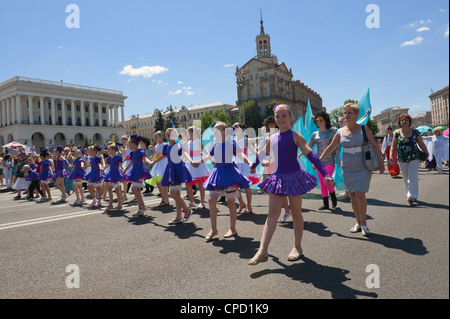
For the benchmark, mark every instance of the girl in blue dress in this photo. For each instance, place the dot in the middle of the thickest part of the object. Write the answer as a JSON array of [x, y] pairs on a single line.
[[60, 172], [77, 176], [114, 177], [46, 175], [225, 179], [138, 173], [95, 177], [175, 174]]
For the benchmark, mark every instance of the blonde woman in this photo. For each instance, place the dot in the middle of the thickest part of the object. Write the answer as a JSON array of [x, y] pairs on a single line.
[[356, 176]]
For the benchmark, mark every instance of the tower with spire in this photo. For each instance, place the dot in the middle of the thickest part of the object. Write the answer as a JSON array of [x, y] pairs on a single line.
[[265, 80], [263, 42]]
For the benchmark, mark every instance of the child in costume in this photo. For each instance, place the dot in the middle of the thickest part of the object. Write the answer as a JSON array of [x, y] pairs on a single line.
[[175, 174], [225, 179], [288, 179], [242, 146], [46, 175], [60, 172], [199, 174], [114, 177], [138, 172], [95, 177], [159, 168], [77, 176]]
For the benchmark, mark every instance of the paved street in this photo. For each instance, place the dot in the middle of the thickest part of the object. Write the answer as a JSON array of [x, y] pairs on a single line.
[[123, 257]]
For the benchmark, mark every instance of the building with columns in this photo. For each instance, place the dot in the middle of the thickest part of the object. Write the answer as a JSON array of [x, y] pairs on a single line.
[[264, 80], [48, 113]]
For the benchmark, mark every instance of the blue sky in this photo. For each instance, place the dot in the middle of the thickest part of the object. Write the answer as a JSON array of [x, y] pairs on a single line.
[[186, 52]]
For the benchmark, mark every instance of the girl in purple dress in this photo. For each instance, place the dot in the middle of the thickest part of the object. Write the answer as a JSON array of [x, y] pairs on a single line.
[[138, 173], [225, 179], [46, 175], [175, 174], [288, 180], [60, 172], [77, 176], [95, 176], [114, 177]]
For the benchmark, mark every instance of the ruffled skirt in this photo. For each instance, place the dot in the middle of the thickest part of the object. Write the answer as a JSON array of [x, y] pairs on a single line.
[[292, 184], [61, 173], [78, 174], [114, 176], [222, 177], [138, 173], [176, 174], [94, 176]]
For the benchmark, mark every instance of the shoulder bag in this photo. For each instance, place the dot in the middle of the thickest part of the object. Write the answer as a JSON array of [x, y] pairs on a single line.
[[370, 156]]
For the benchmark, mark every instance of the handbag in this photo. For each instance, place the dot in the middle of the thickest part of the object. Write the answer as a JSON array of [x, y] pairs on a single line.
[[370, 156]]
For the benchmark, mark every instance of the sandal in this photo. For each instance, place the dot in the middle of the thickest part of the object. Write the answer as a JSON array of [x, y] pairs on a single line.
[[355, 229], [292, 257], [175, 221], [365, 231], [185, 219], [210, 237], [230, 234], [240, 209], [259, 258], [285, 217]]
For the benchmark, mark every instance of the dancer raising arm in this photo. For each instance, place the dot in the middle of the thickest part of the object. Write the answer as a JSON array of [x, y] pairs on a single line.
[[287, 180]]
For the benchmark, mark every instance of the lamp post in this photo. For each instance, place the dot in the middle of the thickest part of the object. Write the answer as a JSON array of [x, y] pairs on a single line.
[[240, 85]]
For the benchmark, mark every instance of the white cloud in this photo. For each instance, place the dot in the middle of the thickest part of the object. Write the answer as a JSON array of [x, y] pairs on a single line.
[[228, 65], [415, 24], [416, 41], [423, 29], [443, 10], [175, 92], [446, 32], [60, 47], [144, 71], [189, 92], [180, 82]]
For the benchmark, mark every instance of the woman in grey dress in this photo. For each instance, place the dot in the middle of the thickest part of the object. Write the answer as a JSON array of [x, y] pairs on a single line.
[[356, 175]]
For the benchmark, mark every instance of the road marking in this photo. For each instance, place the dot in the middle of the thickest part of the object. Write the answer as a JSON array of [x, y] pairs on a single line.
[[47, 219]]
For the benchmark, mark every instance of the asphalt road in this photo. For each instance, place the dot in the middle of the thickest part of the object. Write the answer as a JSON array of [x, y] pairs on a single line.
[[44, 246]]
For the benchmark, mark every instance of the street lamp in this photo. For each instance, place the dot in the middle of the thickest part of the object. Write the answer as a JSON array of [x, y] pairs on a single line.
[[240, 85]]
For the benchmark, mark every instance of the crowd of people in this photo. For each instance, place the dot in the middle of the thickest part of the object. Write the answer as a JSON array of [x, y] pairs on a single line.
[[134, 164]]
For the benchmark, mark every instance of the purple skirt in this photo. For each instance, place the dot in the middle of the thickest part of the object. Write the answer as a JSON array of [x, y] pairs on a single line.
[[61, 173], [292, 184]]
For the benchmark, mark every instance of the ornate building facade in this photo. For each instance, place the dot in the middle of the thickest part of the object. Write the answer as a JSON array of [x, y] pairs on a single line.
[[48, 113], [264, 80], [440, 107]]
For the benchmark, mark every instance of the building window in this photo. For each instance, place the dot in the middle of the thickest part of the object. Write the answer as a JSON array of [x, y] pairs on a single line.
[[256, 76], [267, 95], [266, 76], [266, 84]]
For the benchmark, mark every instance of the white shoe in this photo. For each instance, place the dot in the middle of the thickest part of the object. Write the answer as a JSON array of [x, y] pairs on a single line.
[[365, 231], [93, 203], [285, 217]]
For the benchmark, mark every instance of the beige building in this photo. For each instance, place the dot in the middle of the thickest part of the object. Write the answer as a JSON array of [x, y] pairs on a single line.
[[48, 113], [143, 125], [440, 107], [263, 79], [389, 117]]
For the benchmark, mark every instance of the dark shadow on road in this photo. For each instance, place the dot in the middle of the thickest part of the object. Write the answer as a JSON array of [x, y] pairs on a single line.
[[409, 245], [244, 246], [182, 231], [313, 227], [322, 277]]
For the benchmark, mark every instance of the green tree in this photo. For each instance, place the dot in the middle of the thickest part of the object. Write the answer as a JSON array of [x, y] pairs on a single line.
[[206, 119], [336, 113], [252, 114], [221, 115], [269, 109], [159, 123], [171, 119]]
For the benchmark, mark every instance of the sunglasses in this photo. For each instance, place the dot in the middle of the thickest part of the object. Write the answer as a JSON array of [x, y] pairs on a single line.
[[319, 121]]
